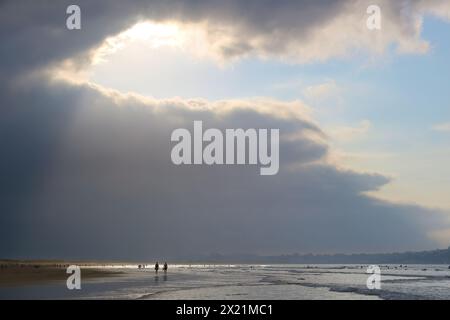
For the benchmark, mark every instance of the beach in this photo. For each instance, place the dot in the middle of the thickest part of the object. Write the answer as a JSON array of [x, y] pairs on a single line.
[[224, 282]]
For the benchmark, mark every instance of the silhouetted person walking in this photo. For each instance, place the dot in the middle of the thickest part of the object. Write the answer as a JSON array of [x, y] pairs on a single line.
[[156, 267], [165, 267]]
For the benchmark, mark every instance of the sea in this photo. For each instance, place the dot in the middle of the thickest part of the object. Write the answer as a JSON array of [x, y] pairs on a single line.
[[250, 282]]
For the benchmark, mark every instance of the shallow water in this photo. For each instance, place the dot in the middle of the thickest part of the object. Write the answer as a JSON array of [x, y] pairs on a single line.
[[252, 282]]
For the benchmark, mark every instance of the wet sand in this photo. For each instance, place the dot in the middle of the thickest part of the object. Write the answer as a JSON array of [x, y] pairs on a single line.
[[20, 273]]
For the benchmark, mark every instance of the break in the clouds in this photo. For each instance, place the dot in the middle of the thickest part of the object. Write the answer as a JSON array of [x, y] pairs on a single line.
[[86, 171]]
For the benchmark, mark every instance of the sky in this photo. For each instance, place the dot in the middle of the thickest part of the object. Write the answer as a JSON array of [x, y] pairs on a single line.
[[364, 119]]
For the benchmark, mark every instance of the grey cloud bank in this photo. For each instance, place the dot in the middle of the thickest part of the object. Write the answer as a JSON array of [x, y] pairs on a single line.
[[236, 146], [87, 173]]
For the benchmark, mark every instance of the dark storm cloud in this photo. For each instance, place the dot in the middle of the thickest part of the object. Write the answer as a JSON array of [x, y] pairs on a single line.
[[95, 180], [86, 174], [33, 33]]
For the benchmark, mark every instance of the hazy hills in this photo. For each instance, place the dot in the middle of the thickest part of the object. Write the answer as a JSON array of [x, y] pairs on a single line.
[[440, 256]]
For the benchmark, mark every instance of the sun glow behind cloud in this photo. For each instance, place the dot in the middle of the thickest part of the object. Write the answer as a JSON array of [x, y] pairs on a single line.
[[148, 54], [152, 34], [189, 38]]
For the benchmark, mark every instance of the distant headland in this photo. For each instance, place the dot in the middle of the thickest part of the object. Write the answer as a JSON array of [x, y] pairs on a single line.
[[439, 256]]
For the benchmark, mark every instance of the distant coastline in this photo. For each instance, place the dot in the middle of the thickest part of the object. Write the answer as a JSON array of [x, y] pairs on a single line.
[[438, 256]]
